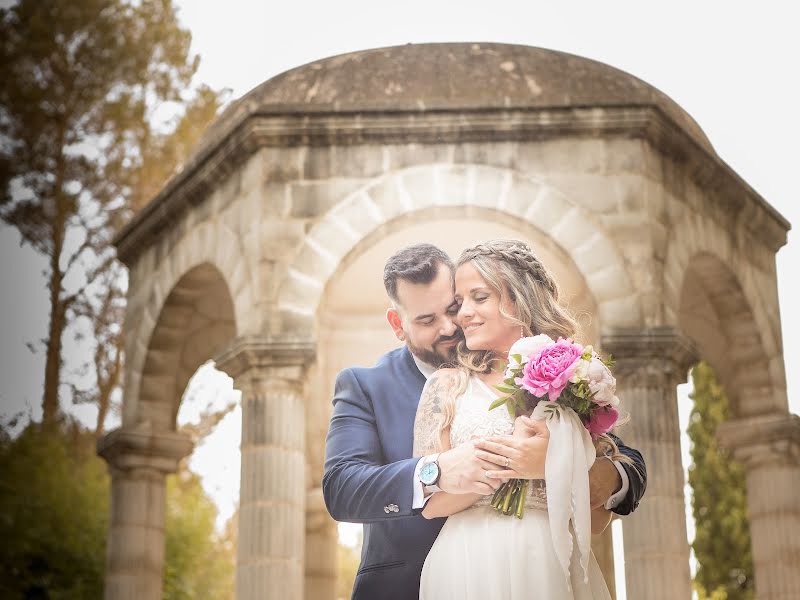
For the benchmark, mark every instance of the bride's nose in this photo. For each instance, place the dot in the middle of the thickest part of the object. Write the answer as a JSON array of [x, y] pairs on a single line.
[[464, 312]]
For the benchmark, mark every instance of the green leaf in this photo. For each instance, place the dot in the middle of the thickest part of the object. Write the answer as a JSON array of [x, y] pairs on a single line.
[[512, 411], [498, 402], [508, 389]]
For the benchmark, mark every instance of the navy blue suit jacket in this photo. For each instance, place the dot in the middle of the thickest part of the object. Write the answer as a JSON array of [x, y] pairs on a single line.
[[369, 467]]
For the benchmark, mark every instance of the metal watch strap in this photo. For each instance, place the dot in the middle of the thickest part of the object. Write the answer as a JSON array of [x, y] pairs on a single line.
[[433, 488]]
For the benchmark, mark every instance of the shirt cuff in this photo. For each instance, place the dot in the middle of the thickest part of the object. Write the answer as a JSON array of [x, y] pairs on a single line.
[[619, 496], [419, 499]]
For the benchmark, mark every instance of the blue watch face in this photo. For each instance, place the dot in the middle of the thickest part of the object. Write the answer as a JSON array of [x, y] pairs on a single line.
[[429, 473]]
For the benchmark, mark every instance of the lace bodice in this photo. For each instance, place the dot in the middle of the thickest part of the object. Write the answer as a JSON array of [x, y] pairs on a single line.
[[473, 419]]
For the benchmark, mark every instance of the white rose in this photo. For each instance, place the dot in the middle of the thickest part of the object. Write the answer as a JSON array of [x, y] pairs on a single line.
[[526, 347], [581, 371], [529, 346], [602, 383]]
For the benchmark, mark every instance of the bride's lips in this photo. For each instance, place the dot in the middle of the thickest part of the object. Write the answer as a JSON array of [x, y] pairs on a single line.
[[471, 327]]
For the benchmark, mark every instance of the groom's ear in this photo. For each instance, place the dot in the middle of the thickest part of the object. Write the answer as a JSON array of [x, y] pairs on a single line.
[[395, 322]]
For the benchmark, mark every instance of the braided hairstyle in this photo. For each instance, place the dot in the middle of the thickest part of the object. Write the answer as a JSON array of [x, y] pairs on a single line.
[[513, 270]]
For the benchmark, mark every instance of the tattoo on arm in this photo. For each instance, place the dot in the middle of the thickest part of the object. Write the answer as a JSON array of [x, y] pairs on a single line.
[[431, 413]]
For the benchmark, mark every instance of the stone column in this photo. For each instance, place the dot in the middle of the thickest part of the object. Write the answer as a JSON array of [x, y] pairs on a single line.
[[650, 364], [271, 375], [139, 461], [603, 548], [322, 536], [769, 448]]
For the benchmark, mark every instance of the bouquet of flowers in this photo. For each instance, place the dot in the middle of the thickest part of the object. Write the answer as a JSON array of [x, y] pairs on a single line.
[[572, 376]]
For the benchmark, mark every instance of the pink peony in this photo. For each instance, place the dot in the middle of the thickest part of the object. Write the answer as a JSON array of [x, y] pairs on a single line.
[[549, 371], [526, 347], [602, 420]]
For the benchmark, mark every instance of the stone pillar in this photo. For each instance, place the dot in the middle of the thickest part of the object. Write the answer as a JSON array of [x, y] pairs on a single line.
[[603, 548], [139, 462], [322, 537], [650, 364], [769, 448], [271, 376]]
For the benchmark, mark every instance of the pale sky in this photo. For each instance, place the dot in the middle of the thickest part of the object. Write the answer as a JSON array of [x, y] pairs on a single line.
[[732, 65]]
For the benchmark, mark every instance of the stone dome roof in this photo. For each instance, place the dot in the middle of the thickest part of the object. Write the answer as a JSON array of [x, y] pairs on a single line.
[[450, 76]]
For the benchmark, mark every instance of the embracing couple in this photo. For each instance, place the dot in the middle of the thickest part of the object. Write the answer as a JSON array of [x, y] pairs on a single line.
[[415, 453]]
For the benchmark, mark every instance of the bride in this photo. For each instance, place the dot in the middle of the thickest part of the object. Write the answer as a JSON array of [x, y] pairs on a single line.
[[505, 293]]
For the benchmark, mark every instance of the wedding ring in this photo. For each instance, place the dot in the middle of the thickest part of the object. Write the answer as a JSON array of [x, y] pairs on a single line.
[[507, 462]]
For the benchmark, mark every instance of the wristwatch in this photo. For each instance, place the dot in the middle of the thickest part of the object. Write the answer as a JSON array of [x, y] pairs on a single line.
[[429, 474]]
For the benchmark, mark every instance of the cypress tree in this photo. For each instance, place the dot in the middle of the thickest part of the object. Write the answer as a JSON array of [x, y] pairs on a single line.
[[719, 503]]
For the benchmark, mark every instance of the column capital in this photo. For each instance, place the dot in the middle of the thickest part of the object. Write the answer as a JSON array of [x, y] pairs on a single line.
[[263, 352], [139, 448], [771, 439], [641, 350]]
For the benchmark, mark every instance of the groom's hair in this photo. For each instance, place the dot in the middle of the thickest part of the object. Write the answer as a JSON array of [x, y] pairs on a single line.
[[416, 264]]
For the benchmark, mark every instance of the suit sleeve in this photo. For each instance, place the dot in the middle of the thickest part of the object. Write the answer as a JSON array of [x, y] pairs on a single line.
[[637, 479], [357, 484]]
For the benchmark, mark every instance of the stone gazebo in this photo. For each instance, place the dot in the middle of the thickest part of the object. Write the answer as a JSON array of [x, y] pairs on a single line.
[[264, 253]]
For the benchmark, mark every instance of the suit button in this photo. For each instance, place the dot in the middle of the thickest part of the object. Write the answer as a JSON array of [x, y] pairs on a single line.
[[394, 508], [386, 509]]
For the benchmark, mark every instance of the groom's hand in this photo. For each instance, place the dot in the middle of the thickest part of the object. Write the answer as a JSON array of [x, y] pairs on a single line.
[[462, 472]]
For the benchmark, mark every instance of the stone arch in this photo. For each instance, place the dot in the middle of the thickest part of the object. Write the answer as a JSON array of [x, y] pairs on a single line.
[[718, 305], [207, 263], [196, 321], [471, 190]]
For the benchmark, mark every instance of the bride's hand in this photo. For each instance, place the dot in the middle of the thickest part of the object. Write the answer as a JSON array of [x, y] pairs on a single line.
[[524, 428], [522, 455]]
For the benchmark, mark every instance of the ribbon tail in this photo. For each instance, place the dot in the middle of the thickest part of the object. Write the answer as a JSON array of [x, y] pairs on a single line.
[[583, 456], [570, 454]]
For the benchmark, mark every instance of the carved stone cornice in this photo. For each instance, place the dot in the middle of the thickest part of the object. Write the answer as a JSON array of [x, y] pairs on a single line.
[[222, 155], [767, 440], [261, 353], [139, 448], [659, 354]]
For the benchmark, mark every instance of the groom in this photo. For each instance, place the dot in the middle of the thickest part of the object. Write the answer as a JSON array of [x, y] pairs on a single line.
[[370, 474]]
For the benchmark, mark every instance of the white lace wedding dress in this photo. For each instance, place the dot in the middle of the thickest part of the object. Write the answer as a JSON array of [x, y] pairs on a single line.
[[482, 554]]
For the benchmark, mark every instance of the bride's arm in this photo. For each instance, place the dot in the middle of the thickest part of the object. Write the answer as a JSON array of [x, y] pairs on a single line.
[[442, 504], [460, 468], [432, 434]]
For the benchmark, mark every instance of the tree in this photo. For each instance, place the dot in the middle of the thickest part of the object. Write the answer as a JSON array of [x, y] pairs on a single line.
[[54, 506], [54, 514], [103, 306], [722, 540], [80, 148], [200, 564]]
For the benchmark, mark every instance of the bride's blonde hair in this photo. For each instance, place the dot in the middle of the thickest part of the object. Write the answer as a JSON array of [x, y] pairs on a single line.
[[513, 271]]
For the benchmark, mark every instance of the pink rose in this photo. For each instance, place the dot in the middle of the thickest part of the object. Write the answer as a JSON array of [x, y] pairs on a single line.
[[549, 371], [602, 420]]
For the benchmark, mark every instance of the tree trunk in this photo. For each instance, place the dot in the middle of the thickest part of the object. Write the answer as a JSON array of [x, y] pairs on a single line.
[[58, 309], [106, 388]]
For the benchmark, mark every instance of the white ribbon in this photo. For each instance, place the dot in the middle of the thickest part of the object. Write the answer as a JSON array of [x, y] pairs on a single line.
[[570, 454]]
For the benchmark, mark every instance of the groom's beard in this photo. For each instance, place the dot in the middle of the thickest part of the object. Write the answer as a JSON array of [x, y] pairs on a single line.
[[443, 351]]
